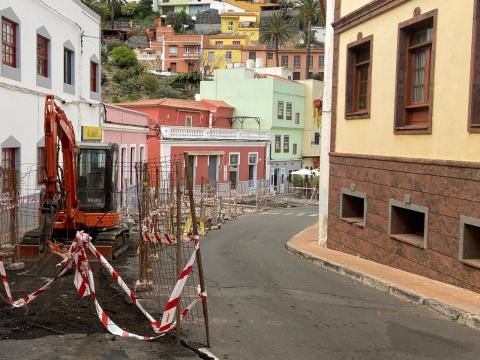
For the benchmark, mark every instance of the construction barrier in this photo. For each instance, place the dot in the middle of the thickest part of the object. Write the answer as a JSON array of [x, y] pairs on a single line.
[[76, 257]]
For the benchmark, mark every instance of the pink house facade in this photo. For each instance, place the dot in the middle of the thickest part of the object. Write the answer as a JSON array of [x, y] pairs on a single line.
[[218, 152], [128, 129]]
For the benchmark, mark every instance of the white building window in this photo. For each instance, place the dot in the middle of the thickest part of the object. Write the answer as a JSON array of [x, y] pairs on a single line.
[[68, 69], [230, 26]]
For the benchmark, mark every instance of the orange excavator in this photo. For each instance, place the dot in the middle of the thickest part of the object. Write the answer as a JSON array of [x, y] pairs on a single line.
[[80, 189]]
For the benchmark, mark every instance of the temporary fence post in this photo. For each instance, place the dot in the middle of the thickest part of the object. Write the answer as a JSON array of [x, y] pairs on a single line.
[[202, 205], [179, 245], [199, 254], [13, 217]]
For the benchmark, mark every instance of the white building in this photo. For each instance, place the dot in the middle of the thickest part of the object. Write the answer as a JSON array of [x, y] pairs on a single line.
[[49, 47]]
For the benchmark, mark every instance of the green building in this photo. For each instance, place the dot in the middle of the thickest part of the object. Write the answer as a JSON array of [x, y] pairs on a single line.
[[277, 102], [165, 7]]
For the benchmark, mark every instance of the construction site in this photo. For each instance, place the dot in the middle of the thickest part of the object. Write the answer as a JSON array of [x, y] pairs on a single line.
[[79, 255]]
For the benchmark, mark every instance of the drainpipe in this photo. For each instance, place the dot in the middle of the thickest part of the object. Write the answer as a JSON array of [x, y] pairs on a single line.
[[326, 128]]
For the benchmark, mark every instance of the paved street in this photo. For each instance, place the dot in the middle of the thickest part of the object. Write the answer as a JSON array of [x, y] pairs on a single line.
[[267, 304]]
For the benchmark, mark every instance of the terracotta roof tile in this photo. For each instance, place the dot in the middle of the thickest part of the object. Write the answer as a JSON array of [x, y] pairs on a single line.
[[217, 103], [176, 103]]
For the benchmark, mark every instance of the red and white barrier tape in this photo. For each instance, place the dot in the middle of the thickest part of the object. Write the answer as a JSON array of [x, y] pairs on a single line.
[[76, 257]]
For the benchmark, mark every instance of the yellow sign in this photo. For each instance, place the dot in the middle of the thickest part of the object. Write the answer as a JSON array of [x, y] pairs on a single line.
[[91, 133]]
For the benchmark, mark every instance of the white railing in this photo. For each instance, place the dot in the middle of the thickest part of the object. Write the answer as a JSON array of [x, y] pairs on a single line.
[[184, 132]]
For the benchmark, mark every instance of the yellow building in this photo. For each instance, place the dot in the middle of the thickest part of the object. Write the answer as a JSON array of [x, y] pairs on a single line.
[[312, 123], [246, 23], [405, 160], [223, 49]]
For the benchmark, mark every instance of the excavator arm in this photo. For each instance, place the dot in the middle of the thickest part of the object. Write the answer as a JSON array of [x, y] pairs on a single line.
[[59, 130]]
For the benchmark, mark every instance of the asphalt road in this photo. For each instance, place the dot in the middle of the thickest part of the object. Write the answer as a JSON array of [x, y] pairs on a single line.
[[267, 304]]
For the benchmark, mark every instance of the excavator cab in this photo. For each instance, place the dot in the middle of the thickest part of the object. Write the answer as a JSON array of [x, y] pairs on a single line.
[[96, 177]]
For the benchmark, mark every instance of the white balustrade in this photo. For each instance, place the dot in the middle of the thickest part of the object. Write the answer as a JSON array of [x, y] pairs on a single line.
[[184, 132]]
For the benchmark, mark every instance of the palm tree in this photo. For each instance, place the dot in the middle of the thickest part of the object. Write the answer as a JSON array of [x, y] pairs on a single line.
[[276, 31], [113, 4], [309, 12]]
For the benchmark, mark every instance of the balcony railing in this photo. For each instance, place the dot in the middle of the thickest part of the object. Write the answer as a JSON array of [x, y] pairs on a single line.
[[200, 133]]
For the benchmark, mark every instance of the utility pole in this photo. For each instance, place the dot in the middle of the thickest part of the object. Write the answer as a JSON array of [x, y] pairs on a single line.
[[326, 127]]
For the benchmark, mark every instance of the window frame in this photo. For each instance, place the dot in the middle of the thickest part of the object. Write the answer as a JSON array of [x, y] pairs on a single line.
[[12, 45], [41, 168], [297, 118], [423, 244], [172, 53], [230, 159], [352, 86], [229, 58], [286, 144], [465, 222], [288, 112], [256, 158], [278, 141], [402, 103], [294, 149], [284, 63], [473, 125], [71, 68], [43, 57], [345, 194], [295, 57], [310, 61], [93, 77], [280, 110]]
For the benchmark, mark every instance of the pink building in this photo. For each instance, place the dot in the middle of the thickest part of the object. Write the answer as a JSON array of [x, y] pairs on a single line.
[[128, 129], [218, 152]]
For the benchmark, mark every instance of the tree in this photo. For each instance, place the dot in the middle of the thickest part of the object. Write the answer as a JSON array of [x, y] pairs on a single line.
[[145, 7], [310, 12], [209, 64], [100, 8], [123, 57], [180, 21], [130, 8], [275, 32], [112, 4]]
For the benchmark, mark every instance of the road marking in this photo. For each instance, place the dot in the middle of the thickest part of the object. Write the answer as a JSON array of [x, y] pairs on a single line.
[[300, 214], [274, 213], [208, 353], [312, 215], [286, 214]]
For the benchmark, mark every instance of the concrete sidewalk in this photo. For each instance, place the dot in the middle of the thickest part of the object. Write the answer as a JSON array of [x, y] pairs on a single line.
[[456, 303]]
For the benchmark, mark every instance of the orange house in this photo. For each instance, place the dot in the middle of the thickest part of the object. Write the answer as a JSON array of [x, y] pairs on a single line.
[[178, 53]]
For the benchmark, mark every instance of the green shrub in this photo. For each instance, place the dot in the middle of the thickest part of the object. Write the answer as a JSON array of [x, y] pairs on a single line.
[[123, 57]]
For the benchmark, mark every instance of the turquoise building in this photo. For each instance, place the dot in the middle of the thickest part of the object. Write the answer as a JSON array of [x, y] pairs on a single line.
[[277, 102]]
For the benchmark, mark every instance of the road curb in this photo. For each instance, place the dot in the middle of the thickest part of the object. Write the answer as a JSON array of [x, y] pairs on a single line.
[[452, 313]]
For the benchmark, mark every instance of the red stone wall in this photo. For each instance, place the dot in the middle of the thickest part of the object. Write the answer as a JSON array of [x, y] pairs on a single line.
[[448, 189]]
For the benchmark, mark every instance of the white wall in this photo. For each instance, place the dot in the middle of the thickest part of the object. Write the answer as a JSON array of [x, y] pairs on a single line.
[[22, 96]]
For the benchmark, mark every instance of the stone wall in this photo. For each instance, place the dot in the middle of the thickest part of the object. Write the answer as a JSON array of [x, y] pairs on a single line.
[[448, 189]]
